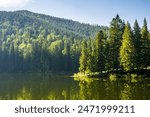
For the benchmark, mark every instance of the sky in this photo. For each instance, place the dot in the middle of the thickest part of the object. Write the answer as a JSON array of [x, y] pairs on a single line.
[[85, 11]]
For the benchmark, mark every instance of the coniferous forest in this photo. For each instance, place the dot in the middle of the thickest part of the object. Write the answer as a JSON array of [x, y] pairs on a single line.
[[121, 49], [31, 42]]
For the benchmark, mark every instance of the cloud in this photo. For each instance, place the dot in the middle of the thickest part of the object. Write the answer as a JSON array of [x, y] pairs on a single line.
[[12, 3]]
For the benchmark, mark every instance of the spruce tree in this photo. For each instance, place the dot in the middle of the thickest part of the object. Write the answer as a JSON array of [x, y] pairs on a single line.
[[145, 47], [99, 52], [90, 61], [83, 58], [137, 44], [115, 38], [127, 49]]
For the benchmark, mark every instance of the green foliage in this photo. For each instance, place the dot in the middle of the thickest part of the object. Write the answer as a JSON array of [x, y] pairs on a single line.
[[127, 49], [91, 59], [99, 52], [83, 58], [115, 37], [113, 77], [145, 46], [119, 50], [137, 44]]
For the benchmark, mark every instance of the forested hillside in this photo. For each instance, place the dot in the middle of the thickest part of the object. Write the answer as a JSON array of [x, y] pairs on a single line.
[[31, 42]]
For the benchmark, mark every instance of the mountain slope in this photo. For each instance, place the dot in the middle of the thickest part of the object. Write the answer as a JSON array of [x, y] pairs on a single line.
[[22, 19]]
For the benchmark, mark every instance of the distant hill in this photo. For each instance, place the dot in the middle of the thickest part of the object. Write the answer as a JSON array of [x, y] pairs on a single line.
[[25, 19]]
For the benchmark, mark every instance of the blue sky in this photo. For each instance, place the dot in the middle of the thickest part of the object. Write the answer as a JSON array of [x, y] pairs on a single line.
[[88, 11]]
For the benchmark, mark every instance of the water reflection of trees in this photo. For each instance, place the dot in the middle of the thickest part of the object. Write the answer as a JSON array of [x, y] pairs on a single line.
[[126, 93], [37, 87], [47, 87], [24, 94], [106, 89], [98, 89]]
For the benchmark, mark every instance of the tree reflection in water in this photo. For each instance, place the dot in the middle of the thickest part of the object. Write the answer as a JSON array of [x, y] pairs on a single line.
[[56, 87]]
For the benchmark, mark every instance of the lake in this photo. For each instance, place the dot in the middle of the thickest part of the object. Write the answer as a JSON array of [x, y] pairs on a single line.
[[65, 87]]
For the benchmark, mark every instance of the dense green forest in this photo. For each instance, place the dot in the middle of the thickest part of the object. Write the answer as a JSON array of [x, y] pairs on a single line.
[[122, 50], [31, 42]]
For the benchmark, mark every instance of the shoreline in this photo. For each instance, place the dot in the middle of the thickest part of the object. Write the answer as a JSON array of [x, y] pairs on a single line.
[[144, 73]]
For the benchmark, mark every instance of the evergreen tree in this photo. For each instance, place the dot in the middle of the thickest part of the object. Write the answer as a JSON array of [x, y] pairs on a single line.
[[127, 49], [83, 57], [145, 47], [107, 56], [99, 52], [90, 61], [115, 38], [137, 44]]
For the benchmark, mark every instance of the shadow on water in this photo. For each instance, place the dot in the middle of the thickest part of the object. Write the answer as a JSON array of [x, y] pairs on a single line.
[[56, 87]]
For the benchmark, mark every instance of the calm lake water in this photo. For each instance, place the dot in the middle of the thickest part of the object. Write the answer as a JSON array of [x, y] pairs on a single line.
[[65, 87]]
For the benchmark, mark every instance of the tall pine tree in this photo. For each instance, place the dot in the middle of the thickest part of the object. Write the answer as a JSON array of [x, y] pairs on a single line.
[[90, 61], [83, 58], [145, 47], [99, 52], [127, 49], [137, 44], [115, 38]]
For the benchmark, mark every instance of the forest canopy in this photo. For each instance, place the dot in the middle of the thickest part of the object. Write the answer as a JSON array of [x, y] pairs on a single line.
[[121, 49], [31, 42]]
